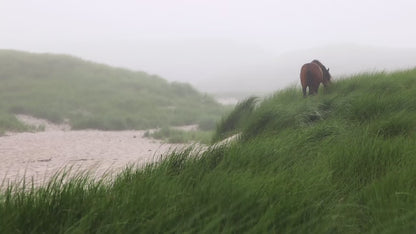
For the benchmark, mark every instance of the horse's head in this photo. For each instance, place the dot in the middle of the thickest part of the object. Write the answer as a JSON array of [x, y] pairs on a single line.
[[327, 77]]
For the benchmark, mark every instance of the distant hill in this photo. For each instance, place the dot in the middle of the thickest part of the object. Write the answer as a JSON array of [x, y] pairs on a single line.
[[91, 95]]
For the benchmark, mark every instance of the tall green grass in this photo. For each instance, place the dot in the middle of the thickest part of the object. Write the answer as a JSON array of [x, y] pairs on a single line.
[[235, 120], [90, 95], [342, 161]]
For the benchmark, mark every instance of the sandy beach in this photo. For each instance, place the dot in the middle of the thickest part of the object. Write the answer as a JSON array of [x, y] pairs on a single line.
[[39, 155]]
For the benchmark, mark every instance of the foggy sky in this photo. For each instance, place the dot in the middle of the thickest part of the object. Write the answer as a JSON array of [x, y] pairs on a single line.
[[200, 40]]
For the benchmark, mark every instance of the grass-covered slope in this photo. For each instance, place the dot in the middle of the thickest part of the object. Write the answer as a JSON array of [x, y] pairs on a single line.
[[90, 95], [340, 162]]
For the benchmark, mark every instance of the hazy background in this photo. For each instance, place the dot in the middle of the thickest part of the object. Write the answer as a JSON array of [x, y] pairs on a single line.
[[219, 46]]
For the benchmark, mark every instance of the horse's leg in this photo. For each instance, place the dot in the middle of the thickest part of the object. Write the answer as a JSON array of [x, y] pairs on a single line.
[[313, 89], [317, 87], [304, 90]]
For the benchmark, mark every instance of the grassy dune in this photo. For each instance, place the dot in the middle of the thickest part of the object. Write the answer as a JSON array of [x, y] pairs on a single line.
[[340, 162], [90, 95]]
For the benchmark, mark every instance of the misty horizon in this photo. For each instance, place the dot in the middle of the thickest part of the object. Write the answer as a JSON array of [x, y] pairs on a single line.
[[214, 44]]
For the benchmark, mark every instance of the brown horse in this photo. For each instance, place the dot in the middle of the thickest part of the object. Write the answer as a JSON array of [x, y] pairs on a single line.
[[312, 75]]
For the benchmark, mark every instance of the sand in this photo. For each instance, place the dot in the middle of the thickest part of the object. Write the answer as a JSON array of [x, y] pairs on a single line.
[[38, 156]]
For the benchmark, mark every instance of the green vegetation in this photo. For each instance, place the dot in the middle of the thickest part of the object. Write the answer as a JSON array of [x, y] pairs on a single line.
[[90, 95], [10, 122], [342, 161], [173, 135], [234, 122]]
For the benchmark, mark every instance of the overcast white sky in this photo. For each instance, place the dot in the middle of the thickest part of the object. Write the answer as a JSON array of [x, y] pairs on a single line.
[[157, 35]]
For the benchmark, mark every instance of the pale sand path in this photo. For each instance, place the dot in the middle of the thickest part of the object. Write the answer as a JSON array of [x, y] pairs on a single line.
[[40, 155]]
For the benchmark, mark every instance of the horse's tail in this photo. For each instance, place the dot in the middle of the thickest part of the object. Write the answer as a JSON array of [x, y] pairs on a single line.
[[304, 78]]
